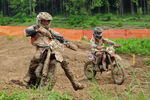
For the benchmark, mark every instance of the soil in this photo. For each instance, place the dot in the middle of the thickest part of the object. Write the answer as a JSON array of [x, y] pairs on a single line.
[[16, 53]]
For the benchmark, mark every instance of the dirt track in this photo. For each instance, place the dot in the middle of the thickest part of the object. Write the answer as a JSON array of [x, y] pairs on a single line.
[[15, 57]]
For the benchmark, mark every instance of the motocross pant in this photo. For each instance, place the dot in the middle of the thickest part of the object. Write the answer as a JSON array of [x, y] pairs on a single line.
[[70, 75], [33, 65]]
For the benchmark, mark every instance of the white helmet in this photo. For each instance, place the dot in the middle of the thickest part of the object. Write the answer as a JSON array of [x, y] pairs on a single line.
[[44, 16]]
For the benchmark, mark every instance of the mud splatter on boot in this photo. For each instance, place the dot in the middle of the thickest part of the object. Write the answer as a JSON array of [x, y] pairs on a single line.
[[76, 85]]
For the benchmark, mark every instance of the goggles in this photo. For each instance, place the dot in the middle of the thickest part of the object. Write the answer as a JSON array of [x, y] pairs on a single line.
[[99, 33]]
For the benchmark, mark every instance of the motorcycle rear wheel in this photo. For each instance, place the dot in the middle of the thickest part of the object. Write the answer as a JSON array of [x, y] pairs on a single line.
[[89, 70], [118, 73]]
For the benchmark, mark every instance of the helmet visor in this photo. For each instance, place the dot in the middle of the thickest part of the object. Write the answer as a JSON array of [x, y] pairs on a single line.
[[99, 33]]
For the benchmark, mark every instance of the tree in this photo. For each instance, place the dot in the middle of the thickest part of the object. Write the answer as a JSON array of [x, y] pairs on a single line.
[[132, 7], [55, 7]]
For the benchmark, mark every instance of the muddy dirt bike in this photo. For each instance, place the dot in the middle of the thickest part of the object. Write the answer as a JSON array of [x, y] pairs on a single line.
[[110, 61], [44, 73]]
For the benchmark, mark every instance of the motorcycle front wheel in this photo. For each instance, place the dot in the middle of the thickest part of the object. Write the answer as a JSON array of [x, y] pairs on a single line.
[[49, 81], [118, 73], [89, 70]]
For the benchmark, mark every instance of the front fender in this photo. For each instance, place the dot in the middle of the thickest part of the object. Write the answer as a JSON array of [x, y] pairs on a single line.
[[117, 57], [58, 56]]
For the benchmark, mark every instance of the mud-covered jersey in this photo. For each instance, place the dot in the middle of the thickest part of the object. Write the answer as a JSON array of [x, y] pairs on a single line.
[[95, 43], [40, 38]]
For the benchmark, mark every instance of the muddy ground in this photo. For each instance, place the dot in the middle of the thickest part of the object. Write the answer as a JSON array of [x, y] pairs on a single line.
[[16, 53]]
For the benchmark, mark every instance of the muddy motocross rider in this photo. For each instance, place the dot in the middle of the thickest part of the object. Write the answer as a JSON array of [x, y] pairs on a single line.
[[97, 41], [39, 34]]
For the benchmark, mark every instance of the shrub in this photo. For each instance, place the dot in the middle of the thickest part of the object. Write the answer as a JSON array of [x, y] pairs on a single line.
[[108, 17], [77, 20], [94, 22], [5, 20], [120, 24]]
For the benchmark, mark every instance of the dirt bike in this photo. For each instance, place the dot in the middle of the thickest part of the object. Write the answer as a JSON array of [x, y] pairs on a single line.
[[44, 73], [109, 60]]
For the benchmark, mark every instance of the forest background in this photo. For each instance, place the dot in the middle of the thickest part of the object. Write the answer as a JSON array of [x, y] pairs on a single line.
[[78, 14]]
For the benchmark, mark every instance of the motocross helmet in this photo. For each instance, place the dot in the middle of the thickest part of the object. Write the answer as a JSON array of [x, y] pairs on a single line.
[[98, 32], [44, 16]]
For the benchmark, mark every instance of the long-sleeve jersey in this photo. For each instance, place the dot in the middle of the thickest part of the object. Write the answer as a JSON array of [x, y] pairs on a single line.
[[40, 38], [95, 43]]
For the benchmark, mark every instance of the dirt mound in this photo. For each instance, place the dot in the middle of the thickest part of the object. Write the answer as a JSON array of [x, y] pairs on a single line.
[[82, 45], [16, 53]]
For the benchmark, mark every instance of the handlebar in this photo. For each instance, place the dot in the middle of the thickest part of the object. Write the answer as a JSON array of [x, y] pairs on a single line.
[[109, 49]]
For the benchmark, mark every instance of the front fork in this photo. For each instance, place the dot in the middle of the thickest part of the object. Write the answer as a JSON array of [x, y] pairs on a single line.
[[112, 62], [101, 59]]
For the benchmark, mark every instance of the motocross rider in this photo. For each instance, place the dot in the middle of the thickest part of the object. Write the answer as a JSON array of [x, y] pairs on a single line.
[[39, 34], [97, 41]]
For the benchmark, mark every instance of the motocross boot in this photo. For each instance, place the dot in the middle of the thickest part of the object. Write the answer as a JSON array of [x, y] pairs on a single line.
[[76, 85], [31, 83], [30, 76], [26, 77], [28, 80]]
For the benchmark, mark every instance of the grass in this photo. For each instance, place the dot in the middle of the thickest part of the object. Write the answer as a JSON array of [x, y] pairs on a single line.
[[147, 61], [9, 37], [84, 39], [22, 94], [133, 46], [108, 21], [24, 37], [95, 92]]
